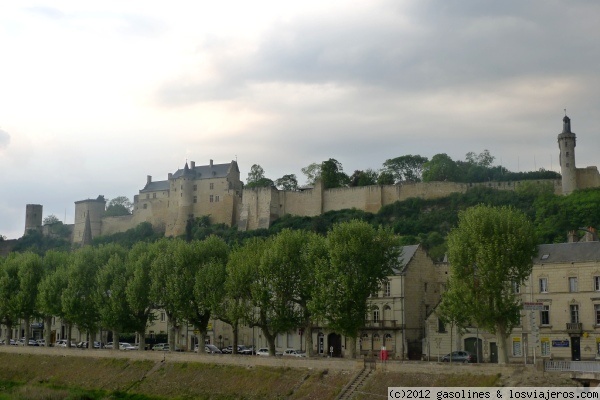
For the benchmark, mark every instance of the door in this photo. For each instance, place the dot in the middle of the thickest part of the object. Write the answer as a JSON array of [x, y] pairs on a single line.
[[575, 349], [335, 344], [493, 352], [473, 346], [321, 343]]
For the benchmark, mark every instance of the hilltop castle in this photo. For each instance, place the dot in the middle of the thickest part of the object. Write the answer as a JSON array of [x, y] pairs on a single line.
[[216, 191]]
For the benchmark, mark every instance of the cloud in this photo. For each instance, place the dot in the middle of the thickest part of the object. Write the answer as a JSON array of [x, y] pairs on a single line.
[[4, 139]]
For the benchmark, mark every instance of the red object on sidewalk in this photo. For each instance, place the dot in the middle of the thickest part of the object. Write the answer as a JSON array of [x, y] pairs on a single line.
[[383, 355]]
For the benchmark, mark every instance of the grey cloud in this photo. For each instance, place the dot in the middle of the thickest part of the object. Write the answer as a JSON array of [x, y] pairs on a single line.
[[4, 139]]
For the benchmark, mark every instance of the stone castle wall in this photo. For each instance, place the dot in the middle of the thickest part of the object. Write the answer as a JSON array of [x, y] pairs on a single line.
[[588, 177]]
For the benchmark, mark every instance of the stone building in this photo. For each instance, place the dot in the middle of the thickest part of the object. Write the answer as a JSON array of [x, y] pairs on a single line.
[[561, 315]]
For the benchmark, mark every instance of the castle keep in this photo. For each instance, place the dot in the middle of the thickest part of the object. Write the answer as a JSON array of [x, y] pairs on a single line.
[[216, 191]]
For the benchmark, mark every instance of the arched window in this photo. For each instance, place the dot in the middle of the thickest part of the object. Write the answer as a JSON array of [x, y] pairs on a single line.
[[376, 342], [365, 343], [387, 313], [388, 342]]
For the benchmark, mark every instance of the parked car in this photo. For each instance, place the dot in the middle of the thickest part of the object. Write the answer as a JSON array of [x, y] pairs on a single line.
[[63, 343], [294, 353], [127, 346], [460, 357], [263, 351], [161, 347], [41, 342], [210, 349], [246, 350]]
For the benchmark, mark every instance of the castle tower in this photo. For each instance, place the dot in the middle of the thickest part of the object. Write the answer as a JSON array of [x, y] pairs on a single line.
[[566, 144], [33, 217], [185, 184], [92, 209]]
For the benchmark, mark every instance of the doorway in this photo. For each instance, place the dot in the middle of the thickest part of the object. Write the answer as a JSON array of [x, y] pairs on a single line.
[[493, 352], [335, 344], [575, 348], [473, 346]]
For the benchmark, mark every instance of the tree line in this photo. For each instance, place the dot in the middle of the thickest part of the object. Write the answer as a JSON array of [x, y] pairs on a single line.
[[408, 168], [294, 279]]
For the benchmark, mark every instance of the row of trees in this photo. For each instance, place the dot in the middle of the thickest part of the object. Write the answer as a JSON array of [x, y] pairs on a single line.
[[289, 280], [408, 168]]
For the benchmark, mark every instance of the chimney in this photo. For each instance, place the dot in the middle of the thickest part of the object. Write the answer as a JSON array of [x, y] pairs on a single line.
[[170, 175], [572, 237], [591, 235], [211, 163], [192, 164], [148, 179]]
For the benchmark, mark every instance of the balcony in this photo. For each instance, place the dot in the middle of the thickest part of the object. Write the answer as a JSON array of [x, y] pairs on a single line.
[[382, 324], [574, 328]]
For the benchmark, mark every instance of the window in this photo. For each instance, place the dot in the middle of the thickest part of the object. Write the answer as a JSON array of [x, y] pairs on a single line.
[[195, 187], [376, 315], [212, 186], [216, 198], [545, 316], [545, 347], [516, 288], [597, 313], [163, 317], [145, 206], [153, 195], [572, 284], [147, 196], [543, 285], [211, 198], [574, 309], [516, 347], [441, 326], [195, 199], [388, 289], [597, 283]]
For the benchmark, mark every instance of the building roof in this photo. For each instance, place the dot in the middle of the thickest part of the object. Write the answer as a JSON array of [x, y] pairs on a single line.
[[408, 253], [156, 186], [567, 253]]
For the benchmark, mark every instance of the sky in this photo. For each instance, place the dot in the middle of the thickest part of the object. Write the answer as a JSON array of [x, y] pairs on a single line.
[[96, 95]]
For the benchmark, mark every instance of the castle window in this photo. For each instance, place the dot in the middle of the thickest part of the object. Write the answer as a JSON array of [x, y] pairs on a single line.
[[567, 154], [212, 186], [181, 187], [597, 283], [195, 199], [573, 284], [147, 195], [153, 195], [216, 198], [145, 206], [211, 197], [567, 165], [195, 187], [388, 289]]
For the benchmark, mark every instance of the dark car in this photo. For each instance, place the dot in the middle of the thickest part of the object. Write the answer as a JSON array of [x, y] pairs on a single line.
[[460, 357]]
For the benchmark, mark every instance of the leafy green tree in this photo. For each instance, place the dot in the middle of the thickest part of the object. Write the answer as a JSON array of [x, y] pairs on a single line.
[[256, 178], [332, 174], [490, 251], [51, 287], [440, 168], [111, 291], [118, 206], [363, 178], [385, 178], [272, 289], [312, 173], [139, 261], [360, 260], [407, 168], [9, 285], [51, 219], [287, 182], [483, 159], [234, 302], [30, 271]]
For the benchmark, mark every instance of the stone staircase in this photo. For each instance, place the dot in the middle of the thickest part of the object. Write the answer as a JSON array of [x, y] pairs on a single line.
[[348, 391]]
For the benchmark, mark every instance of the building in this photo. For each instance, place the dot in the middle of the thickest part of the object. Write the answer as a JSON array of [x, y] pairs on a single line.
[[561, 315]]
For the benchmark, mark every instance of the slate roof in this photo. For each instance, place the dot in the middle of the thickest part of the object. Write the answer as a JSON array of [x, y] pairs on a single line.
[[407, 254], [567, 253]]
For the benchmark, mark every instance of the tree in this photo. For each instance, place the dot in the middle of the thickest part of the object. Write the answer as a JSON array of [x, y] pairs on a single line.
[[440, 168], [51, 219], [483, 159], [385, 178], [312, 172], [363, 178], [489, 251], [360, 260], [256, 178], [407, 168], [332, 174], [51, 286], [287, 182], [30, 271], [118, 206], [9, 285]]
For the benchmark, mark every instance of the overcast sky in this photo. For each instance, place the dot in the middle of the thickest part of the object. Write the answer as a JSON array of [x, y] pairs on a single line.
[[95, 95]]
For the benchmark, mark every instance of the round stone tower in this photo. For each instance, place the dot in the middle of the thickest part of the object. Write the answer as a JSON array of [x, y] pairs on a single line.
[[566, 144], [33, 217]]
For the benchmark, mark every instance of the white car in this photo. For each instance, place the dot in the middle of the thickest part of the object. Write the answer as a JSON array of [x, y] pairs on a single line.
[[262, 352], [294, 353]]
